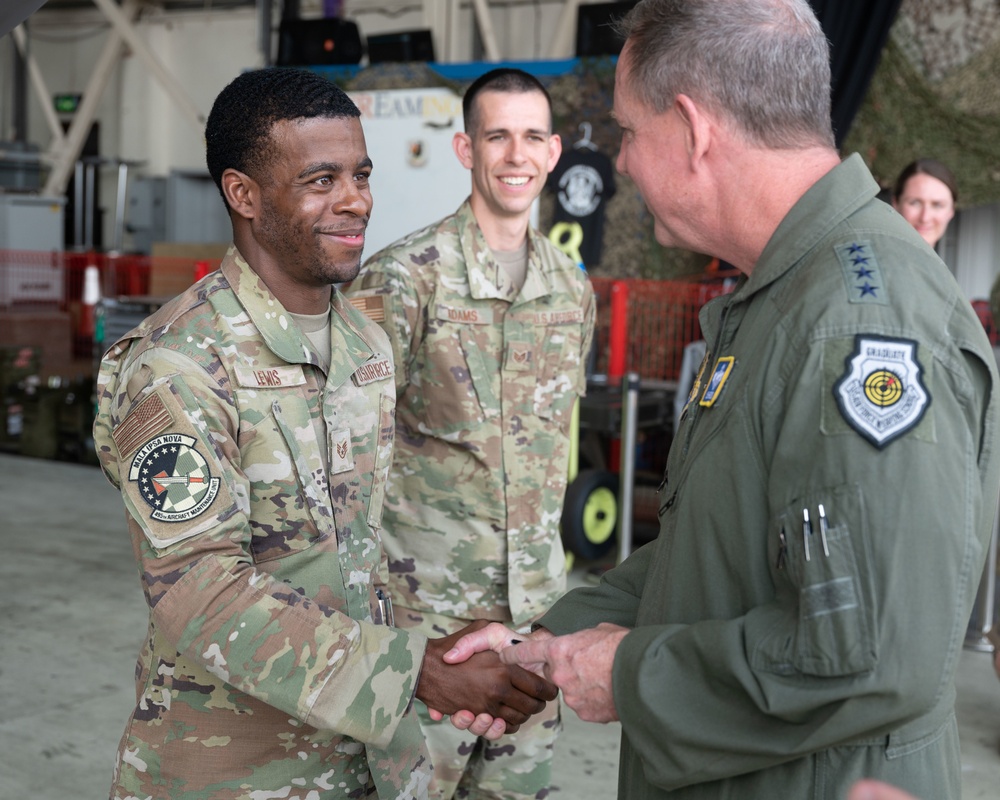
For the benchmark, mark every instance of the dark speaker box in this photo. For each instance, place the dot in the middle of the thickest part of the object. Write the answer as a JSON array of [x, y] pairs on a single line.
[[415, 45], [306, 42], [594, 35]]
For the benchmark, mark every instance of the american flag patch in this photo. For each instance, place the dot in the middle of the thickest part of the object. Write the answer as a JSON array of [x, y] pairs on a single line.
[[372, 306], [146, 420]]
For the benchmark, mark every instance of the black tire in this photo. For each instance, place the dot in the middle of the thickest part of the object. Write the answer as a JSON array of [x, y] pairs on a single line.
[[590, 514]]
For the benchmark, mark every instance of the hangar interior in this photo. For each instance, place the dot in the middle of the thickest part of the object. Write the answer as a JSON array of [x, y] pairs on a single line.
[[106, 209]]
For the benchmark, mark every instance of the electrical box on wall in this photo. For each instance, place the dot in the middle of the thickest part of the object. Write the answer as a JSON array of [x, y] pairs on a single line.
[[31, 228]]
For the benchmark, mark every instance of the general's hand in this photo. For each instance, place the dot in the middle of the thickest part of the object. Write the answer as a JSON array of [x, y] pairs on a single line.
[[508, 695], [876, 790], [495, 637], [579, 664]]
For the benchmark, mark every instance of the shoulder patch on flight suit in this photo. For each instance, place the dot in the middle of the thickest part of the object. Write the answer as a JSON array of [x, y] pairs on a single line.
[[881, 393], [370, 303], [861, 273], [720, 373]]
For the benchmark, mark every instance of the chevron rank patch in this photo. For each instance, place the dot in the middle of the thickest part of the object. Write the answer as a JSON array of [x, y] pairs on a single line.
[[341, 452], [881, 393]]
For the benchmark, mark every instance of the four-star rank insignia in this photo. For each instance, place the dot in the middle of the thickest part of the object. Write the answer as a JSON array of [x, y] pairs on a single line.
[[173, 478], [862, 274], [881, 394]]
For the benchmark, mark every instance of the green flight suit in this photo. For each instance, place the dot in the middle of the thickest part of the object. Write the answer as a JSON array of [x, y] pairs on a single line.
[[847, 374]]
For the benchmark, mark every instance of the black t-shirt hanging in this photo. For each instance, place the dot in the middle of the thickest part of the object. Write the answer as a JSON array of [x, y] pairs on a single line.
[[584, 181]]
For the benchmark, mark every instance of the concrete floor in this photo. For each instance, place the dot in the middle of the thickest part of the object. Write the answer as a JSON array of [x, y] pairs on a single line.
[[72, 618]]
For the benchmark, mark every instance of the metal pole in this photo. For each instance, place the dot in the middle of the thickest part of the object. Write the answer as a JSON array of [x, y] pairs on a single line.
[[626, 467], [986, 601], [119, 241], [78, 206], [89, 205]]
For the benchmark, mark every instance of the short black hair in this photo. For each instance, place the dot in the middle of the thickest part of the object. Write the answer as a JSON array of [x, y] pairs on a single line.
[[502, 79], [238, 131]]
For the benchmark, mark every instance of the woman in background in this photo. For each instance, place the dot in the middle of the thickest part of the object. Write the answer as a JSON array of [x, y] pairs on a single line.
[[925, 194]]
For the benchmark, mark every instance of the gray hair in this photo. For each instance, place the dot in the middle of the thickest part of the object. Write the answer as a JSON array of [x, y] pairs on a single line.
[[763, 64]]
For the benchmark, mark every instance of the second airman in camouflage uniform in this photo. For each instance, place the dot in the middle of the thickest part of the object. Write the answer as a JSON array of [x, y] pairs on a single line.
[[490, 361]]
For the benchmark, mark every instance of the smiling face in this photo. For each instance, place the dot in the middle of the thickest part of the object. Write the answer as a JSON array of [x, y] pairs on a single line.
[[510, 153], [927, 204], [314, 204]]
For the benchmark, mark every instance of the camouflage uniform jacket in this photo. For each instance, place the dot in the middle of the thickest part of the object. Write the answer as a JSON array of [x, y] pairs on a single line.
[[486, 380], [265, 672]]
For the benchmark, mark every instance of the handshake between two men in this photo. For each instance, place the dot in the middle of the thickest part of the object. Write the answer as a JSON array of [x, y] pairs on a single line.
[[512, 676]]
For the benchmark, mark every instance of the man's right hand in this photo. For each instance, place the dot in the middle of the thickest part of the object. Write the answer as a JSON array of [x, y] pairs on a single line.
[[481, 684]]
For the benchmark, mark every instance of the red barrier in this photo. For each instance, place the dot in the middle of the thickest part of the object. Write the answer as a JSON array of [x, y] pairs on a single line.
[[34, 281], [618, 332], [644, 325]]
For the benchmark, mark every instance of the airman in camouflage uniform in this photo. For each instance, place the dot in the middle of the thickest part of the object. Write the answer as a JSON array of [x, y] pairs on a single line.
[[488, 370], [252, 455]]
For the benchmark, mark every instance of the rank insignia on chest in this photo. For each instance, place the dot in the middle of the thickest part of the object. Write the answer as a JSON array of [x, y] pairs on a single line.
[[881, 394], [520, 356], [720, 374], [341, 455]]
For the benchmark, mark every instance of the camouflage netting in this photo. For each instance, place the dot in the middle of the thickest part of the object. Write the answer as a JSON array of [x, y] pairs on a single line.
[[935, 93]]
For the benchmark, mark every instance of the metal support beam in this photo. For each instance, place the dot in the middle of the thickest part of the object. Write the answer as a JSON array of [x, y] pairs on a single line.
[[441, 16], [485, 22], [562, 44], [40, 87], [66, 153], [124, 27]]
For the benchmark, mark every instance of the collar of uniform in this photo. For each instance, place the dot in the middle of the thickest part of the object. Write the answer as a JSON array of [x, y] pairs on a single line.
[[282, 335], [833, 198], [487, 280], [275, 324]]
